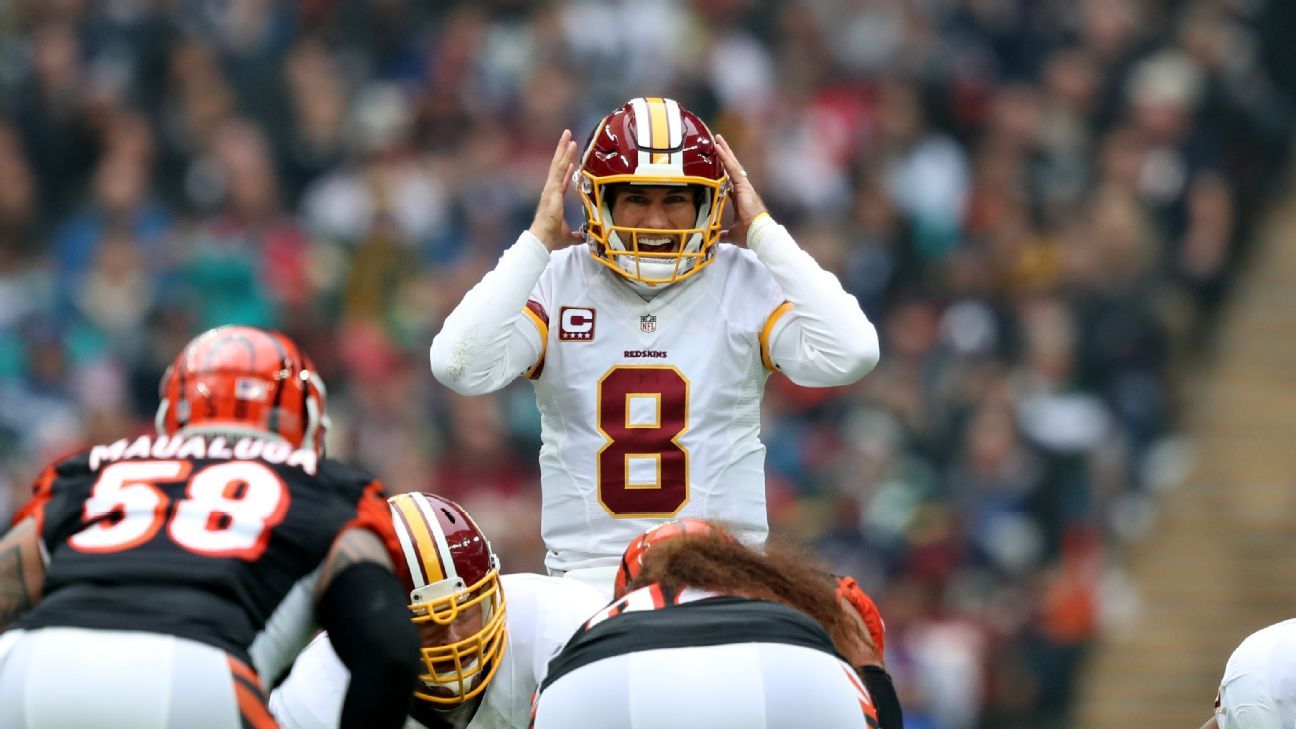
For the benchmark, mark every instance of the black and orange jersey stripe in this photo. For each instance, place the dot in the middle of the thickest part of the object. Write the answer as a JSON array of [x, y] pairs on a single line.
[[711, 621]]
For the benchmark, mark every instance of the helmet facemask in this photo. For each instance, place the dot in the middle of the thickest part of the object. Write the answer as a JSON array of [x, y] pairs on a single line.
[[458, 671], [624, 249]]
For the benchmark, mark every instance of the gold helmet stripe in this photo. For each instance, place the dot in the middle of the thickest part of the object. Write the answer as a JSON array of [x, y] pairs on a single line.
[[660, 126], [445, 562], [416, 524]]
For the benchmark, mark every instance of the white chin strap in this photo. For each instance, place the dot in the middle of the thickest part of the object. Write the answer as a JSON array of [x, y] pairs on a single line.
[[650, 267], [450, 681]]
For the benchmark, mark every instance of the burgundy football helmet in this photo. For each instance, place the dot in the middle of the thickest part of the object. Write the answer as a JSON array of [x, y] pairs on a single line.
[[652, 141], [453, 572]]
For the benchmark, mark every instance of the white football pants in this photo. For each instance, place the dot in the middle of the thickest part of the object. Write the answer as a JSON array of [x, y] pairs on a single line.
[[61, 678], [749, 685]]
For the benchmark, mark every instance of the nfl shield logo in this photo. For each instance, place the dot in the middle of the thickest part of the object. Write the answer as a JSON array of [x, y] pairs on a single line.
[[648, 323]]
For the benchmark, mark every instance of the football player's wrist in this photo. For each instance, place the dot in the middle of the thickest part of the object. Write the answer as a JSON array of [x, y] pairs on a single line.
[[530, 238], [757, 228]]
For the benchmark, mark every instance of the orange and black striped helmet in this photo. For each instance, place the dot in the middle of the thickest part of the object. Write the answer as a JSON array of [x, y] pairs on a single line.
[[632, 558], [244, 380], [455, 596]]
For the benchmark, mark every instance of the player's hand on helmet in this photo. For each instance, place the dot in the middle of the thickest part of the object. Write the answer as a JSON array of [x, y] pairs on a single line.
[[860, 606], [746, 202], [549, 225]]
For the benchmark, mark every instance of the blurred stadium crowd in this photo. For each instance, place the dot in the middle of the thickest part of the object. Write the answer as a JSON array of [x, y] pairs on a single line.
[[1040, 204]]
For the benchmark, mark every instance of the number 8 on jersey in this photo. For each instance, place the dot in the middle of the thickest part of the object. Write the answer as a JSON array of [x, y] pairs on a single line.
[[643, 469]]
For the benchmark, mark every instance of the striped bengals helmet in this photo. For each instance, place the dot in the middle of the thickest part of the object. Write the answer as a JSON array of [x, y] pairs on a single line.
[[244, 380], [632, 559], [454, 581], [652, 141]]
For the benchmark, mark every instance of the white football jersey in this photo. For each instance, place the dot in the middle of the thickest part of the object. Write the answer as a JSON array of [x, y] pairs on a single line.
[[650, 409], [1259, 685], [543, 612]]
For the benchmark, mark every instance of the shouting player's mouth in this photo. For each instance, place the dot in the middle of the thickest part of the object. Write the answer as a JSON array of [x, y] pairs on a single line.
[[657, 243]]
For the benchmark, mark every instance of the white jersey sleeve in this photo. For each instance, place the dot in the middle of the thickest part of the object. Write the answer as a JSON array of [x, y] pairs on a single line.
[[491, 337], [822, 338], [1256, 690], [312, 695], [543, 612]]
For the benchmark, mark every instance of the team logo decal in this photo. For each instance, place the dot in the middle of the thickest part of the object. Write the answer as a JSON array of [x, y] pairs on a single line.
[[247, 388], [575, 324], [648, 323]]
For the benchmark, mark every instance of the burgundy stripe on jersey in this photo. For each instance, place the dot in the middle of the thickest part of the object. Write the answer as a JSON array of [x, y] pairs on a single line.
[[539, 310], [535, 308]]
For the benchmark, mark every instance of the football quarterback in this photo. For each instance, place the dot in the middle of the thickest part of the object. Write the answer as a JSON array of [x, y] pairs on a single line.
[[650, 342]]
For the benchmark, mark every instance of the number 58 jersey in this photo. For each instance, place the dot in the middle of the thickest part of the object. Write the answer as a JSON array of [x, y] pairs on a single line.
[[650, 409], [214, 541]]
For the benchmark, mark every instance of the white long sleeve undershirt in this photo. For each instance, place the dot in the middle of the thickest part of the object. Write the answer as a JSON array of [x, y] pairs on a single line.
[[824, 340], [486, 342]]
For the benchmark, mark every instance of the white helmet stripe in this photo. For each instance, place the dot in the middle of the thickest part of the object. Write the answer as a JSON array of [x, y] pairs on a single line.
[[675, 125], [442, 545], [423, 543], [643, 130]]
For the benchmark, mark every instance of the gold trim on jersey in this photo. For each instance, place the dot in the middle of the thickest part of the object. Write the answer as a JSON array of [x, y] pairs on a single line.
[[765, 333], [659, 129], [543, 328]]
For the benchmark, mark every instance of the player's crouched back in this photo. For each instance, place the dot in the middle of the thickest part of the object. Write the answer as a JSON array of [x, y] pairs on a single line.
[[707, 632]]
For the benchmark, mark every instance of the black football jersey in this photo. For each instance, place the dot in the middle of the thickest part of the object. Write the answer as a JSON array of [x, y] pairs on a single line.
[[215, 541], [651, 619]]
